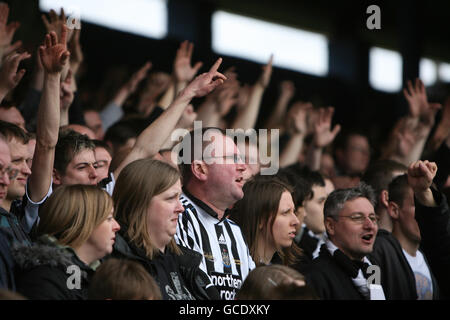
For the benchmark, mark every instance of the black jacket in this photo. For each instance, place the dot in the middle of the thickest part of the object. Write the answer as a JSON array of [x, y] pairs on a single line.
[[10, 221], [308, 245], [329, 279], [399, 282], [6, 260], [433, 223], [42, 272], [189, 261]]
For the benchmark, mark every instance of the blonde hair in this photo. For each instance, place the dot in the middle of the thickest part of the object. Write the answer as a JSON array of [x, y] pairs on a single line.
[[72, 213], [135, 187]]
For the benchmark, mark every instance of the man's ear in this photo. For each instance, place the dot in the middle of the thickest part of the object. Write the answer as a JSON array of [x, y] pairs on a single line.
[[393, 210], [330, 225], [56, 177], [384, 198], [199, 170]]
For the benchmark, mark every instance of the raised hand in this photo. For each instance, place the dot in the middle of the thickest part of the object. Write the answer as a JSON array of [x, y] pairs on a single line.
[[9, 75], [206, 82], [419, 107], [137, 77], [416, 96], [56, 22], [287, 89], [54, 55], [443, 128], [227, 97], [421, 175], [75, 49], [264, 79], [6, 30], [66, 93], [182, 68], [323, 135], [296, 117]]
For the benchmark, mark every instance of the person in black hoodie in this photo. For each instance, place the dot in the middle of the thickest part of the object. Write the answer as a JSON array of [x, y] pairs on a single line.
[[433, 217], [406, 231], [147, 204], [76, 230], [387, 251]]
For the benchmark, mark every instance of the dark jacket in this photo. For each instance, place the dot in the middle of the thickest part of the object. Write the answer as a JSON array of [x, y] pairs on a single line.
[[308, 245], [6, 260], [10, 221], [329, 279], [44, 272], [189, 261], [399, 282], [433, 223]]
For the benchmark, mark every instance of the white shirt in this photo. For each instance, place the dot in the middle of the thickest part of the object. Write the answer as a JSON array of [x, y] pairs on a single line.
[[424, 284]]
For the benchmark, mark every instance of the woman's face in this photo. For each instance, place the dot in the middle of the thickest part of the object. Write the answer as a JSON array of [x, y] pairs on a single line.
[[162, 216], [103, 237], [286, 222]]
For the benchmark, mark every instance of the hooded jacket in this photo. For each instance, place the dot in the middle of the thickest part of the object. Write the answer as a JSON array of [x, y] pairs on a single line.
[[197, 282], [49, 271]]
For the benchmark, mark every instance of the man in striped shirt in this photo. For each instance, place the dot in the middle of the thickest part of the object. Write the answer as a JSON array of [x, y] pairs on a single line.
[[213, 181]]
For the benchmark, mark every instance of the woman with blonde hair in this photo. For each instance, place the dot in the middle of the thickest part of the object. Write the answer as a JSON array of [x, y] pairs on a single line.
[[147, 204], [76, 229]]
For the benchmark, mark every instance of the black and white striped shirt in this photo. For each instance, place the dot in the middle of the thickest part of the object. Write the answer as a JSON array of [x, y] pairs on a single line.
[[226, 258]]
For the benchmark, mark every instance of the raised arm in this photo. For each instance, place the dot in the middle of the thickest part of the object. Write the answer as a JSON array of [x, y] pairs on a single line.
[[113, 111], [182, 70], [422, 113], [297, 128], [323, 135], [9, 75], [7, 32], [219, 103], [246, 119], [287, 91], [54, 57], [420, 178], [153, 137], [442, 131], [66, 98]]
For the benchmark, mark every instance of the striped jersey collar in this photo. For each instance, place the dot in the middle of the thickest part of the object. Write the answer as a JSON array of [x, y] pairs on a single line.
[[205, 207]]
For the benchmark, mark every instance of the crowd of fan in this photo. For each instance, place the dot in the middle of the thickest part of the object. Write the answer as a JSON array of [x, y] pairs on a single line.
[[96, 204]]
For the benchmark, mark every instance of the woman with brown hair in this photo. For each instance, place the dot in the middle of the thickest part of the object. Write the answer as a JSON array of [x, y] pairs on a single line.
[[147, 204], [76, 230], [268, 220]]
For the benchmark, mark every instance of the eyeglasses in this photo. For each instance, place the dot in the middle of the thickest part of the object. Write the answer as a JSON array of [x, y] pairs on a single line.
[[237, 158], [12, 172], [360, 218]]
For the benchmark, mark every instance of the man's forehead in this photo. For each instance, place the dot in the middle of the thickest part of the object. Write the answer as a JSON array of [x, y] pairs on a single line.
[[220, 144], [359, 204], [85, 155], [17, 146], [5, 156]]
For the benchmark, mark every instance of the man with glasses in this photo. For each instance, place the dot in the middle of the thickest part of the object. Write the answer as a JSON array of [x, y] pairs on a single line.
[[342, 270], [213, 177]]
